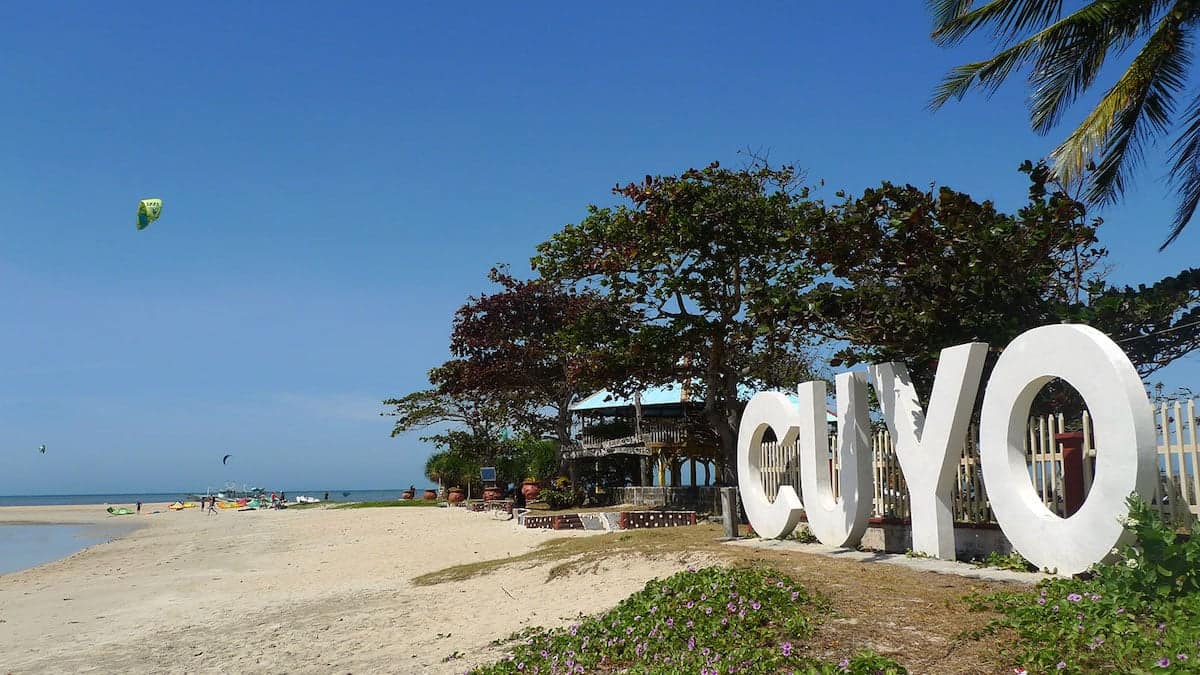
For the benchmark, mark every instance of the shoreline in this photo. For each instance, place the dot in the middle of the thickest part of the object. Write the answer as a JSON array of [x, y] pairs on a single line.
[[307, 590]]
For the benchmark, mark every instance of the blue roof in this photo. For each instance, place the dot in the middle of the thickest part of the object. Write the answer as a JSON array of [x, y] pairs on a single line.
[[668, 394]]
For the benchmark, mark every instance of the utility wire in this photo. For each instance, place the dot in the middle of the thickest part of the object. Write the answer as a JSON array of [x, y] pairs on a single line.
[[1157, 332]]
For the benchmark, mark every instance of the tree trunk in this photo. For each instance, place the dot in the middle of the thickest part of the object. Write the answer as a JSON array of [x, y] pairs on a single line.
[[562, 430], [722, 414]]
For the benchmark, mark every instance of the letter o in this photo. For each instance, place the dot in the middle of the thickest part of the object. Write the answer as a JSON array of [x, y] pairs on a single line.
[[1126, 453], [767, 410]]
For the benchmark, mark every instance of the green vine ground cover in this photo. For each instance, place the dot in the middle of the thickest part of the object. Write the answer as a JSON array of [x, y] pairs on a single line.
[[708, 621], [1140, 614]]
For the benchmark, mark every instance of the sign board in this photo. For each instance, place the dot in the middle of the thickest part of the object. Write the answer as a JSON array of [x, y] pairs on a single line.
[[928, 441]]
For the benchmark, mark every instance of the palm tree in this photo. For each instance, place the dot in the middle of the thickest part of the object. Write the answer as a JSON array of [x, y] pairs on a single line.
[[1064, 55]]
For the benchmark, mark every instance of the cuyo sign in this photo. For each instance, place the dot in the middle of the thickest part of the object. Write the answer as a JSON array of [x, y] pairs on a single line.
[[928, 443]]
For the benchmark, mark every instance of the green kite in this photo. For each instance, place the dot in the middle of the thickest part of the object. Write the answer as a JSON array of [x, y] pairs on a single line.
[[148, 211]]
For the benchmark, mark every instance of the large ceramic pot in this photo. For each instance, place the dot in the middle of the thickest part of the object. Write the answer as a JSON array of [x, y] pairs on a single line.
[[456, 495], [531, 489], [429, 495], [408, 494], [492, 494]]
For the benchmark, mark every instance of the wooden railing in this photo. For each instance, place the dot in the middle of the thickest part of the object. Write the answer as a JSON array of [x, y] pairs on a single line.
[[652, 432]]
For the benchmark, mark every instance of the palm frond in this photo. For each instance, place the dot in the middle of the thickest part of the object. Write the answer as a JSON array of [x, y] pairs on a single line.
[[1065, 55], [1185, 171], [1138, 105], [954, 20], [1078, 50], [945, 11]]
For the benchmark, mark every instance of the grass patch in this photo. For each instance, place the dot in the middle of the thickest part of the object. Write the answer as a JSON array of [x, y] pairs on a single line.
[[714, 620], [573, 553], [385, 504]]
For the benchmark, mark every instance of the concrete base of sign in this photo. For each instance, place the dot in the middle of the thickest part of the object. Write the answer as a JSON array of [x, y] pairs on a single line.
[[970, 541], [921, 564]]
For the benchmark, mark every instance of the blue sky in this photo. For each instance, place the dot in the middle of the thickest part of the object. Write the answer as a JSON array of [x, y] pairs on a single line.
[[337, 179]]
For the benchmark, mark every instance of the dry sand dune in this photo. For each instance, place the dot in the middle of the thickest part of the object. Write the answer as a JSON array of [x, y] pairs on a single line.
[[321, 590]]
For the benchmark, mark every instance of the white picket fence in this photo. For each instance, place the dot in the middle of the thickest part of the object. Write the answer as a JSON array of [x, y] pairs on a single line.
[[1177, 496]]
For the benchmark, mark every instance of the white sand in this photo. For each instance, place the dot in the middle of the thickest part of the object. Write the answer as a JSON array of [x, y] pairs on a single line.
[[324, 590]]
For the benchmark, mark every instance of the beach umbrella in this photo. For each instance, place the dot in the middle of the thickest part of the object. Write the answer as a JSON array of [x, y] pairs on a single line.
[[148, 211]]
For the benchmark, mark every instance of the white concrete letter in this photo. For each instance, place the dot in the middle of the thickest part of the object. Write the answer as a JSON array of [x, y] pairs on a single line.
[[928, 446], [1126, 457], [841, 521], [767, 410]]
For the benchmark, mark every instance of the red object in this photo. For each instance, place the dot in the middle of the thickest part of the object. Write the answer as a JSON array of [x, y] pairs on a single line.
[[408, 494], [429, 495], [1072, 444], [456, 496], [531, 490], [492, 494]]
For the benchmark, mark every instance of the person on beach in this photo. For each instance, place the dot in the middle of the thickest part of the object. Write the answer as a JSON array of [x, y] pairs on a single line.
[[139, 507], [212, 504]]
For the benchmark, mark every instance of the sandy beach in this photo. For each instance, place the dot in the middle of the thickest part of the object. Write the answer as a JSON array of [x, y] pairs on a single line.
[[316, 590]]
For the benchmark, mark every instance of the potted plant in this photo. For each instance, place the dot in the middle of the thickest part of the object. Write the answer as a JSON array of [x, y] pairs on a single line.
[[456, 495], [531, 487], [410, 493], [492, 494], [429, 495]]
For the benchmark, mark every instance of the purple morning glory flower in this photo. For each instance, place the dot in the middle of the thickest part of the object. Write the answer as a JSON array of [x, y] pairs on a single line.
[[787, 649], [1164, 662], [1061, 665], [1074, 597]]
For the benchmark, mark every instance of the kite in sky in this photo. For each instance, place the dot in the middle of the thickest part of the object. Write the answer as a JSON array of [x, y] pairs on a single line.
[[148, 211], [42, 449], [225, 459]]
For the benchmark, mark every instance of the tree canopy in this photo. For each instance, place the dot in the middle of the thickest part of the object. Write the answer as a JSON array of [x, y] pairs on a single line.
[[698, 256]]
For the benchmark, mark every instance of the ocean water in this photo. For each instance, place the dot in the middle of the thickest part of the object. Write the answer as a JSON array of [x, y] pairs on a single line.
[[340, 495], [26, 545], [29, 545]]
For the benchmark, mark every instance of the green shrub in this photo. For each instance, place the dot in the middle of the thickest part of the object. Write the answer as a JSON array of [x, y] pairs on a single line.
[[1139, 614], [561, 497]]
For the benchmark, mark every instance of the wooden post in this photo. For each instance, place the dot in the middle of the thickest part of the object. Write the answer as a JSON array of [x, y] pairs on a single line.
[[1073, 495], [729, 511]]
